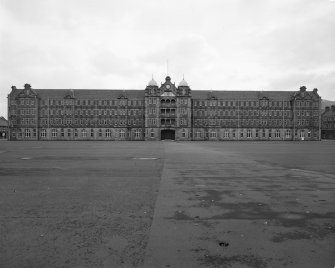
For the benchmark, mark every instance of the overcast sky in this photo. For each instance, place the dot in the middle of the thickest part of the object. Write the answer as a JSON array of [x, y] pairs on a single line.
[[217, 45]]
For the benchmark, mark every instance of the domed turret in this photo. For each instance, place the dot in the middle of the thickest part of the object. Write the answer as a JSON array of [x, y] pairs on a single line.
[[152, 82], [183, 83]]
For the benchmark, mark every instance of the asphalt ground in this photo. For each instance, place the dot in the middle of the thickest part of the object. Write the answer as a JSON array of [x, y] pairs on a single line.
[[167, 204]]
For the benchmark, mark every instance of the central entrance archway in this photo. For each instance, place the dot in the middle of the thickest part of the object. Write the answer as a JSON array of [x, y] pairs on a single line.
[[167, 134]]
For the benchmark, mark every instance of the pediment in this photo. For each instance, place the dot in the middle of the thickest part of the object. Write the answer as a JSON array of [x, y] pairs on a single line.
[[168, 94]]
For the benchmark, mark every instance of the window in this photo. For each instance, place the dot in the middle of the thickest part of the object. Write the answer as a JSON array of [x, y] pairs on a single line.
[[302, 133], [54, 133], [249, 133], [62, 132], [100, 132], [27, 133], [76, 133], [43, 133], [108, 133], [226, 133], [92, 132], [241, 133], [287, 133], [198, 134], [269, 133], [183, 133], [152, 133], [84, 133], [277, 133], [212, 134], [122, 133], [264, 133], [137, 133], [234, 133]]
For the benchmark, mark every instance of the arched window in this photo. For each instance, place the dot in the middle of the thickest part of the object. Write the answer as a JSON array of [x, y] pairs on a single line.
[[162, 101]]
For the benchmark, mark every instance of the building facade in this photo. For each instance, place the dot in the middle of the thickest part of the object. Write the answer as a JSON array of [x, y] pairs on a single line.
[[328, 123], [3, 128], [163, 112]]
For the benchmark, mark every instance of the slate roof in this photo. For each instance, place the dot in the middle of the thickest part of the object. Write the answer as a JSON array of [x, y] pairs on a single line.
[[85, 93], [3, 122], [104, 94], [242, 95]]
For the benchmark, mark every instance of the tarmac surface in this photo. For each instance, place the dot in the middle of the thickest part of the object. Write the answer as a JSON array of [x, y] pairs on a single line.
[[167, 204]]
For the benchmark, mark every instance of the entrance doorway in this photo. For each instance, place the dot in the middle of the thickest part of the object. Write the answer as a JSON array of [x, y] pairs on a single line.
[[167, 134]]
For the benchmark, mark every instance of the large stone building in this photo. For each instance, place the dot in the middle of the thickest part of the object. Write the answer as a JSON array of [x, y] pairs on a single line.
[[328, 123], [163, 112]]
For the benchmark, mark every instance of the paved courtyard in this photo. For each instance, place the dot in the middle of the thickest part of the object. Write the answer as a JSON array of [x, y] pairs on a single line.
[[167, 204]]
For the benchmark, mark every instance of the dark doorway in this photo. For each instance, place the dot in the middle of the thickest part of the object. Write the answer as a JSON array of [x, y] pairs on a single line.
[[167, 134]]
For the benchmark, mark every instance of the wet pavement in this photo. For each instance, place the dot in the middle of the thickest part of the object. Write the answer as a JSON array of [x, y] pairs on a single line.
[[219, 208], [167, 204]]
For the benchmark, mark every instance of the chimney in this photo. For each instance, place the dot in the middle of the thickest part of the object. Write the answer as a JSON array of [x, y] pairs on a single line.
[[332, 107], [315, 90], [13, 88], [302, 89], [27, 86], [327, 108]]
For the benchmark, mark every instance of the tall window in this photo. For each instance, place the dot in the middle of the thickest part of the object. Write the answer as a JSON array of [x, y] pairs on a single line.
[[152, 133], [43, 133], [108, 133], [137, 133], [264, 133], [27, 133], [84, 133], [76, 133], [92, 132], [122, 133], [277, 133], [100, 133], [288, 133], [69, 132], [256, 133], [62, 132], [54, 133], [226, 133], [198, 134], [302, 133], [249, 133]]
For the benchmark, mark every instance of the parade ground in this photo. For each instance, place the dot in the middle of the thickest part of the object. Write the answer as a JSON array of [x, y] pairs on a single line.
[[167, 204]]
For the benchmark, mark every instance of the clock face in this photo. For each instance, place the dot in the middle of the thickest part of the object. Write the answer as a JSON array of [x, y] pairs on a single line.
[[167, 86]]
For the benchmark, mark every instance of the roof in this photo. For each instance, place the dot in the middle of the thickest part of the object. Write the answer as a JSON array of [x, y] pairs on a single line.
[[140, 94], [3, 122], [86, 93], [242, 95]]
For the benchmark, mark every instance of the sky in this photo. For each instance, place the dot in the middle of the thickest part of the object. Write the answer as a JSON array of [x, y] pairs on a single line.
[[214, 44]]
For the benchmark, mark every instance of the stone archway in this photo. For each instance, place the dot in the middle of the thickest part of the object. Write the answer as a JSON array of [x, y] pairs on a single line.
[[167, 134]]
